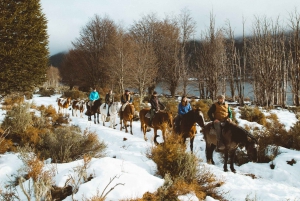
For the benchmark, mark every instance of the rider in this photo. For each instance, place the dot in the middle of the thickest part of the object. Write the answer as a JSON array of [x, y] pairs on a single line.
[[220, 112], [183, 107], [94, 95], [156, 105], [125, 99], [109, 99]]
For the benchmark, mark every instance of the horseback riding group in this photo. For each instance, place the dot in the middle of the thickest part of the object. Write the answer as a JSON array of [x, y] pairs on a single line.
[[220, 134]]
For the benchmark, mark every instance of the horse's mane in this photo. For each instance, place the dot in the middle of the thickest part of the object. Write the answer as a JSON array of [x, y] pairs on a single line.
[[247, 133]]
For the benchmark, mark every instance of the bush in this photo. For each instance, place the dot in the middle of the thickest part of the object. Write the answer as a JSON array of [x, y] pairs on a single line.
[[18, 119], [182, 171], [172, 158], [293, 136], [75, 94], [12, 100], [46, 92], [253, 114], [67, 143]]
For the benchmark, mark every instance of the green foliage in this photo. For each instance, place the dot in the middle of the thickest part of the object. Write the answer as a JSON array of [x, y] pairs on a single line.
[[253, 114], [24, 45], [67, 143]]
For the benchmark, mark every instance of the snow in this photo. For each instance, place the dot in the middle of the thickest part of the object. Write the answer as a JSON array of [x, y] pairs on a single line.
[[127, 166]]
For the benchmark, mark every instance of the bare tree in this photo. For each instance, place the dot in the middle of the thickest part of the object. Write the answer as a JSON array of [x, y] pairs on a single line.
[[96, 41], [294, 56], [211, 63], [53, 77], [265, 55], [187, 29]]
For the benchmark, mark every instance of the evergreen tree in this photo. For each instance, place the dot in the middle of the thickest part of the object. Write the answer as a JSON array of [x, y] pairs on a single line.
[[24, 45]]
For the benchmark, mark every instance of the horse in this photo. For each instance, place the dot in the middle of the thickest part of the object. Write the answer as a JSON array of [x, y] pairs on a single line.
[[113, 112], [233, 137], [77, 105], [94, 110], [161, 121], [63, 104], [187, 127], [127, 115]]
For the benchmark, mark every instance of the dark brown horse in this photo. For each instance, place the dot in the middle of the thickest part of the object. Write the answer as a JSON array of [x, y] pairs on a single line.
[[187, 127], [233, 136], [127, 115], [161, 121], [94, 110]]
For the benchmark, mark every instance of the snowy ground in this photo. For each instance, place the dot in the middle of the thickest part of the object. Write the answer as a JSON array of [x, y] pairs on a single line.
[[127, 160]]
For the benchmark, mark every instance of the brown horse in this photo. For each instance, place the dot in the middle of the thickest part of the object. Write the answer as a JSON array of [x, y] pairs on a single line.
[[127, 115], [77, 105], [233, 137], [187, 125], [161, 121], [63, 104]]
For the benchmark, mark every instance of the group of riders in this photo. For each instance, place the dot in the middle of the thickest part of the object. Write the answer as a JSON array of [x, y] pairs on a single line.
[[220, 113]]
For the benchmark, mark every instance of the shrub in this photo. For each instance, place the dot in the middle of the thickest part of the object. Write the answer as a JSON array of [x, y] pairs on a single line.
[[170, 104], [46, 92], [75, 94], [67, 143], [253, 114], [171, 158], [204, 105], [293, 136], [12, 100], [18, 119]]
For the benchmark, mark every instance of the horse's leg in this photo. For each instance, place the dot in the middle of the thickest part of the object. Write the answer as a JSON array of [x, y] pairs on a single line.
[[209, 150], [191, 143], [144, 129], [232, 155], [125, 125], [225, 161], [155, 136], [98, 118], [131, 127]]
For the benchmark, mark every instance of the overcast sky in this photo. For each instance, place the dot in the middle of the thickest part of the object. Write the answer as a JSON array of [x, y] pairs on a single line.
[[67, 17]]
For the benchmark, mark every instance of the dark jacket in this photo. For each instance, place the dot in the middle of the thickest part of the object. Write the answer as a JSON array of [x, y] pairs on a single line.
[[125, 98], [109, 98], [156, 104]]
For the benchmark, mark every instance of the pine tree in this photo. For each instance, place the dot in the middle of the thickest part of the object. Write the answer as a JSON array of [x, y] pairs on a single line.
[[24, 45]]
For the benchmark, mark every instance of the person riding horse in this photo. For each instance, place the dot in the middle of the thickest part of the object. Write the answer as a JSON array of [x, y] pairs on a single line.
[[109, 99], [220, 113], [125, 99], [94, 95], [183, 107], [156, 105]]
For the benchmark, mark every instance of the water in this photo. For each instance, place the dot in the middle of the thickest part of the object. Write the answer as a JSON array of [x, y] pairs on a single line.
[[192, 90]]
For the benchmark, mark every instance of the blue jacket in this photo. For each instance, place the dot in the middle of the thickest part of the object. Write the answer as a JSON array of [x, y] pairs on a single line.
[[184, 109], [94, 96]]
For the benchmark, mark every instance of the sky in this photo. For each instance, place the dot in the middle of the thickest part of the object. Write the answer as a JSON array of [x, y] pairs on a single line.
[[66, 18], [127, 160]]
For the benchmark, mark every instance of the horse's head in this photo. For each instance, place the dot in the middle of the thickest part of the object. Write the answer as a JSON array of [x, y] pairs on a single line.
[[251, 147], [199, 118]]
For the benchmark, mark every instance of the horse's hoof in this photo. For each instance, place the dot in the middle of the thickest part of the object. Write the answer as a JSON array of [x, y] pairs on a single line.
[[225, 170], [233, 170]]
